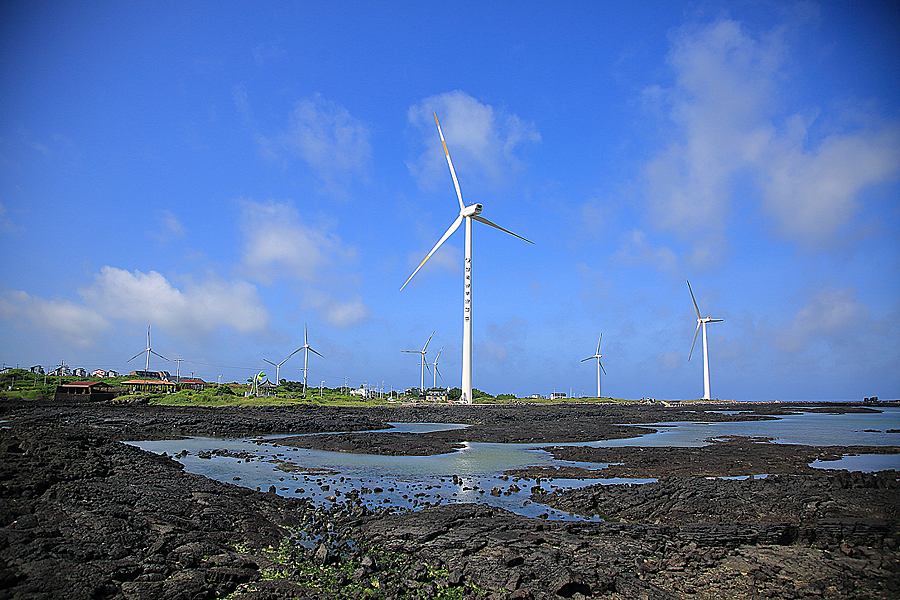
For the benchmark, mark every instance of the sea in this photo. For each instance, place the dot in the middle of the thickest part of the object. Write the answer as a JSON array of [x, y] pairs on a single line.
[[474, 473]]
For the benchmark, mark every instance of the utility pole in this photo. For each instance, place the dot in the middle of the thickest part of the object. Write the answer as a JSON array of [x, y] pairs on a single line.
[[178, 362]]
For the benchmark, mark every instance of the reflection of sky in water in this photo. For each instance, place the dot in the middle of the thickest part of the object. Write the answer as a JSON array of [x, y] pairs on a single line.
[[417, 481], [810, 429]]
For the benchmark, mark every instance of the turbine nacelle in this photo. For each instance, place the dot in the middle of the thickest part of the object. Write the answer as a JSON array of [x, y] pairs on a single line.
[[471, 210]]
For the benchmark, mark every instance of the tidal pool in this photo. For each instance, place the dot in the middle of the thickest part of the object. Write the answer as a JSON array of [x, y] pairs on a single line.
[[474, 473]]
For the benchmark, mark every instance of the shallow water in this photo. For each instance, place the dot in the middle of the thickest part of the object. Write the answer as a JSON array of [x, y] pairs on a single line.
[[473, 472]]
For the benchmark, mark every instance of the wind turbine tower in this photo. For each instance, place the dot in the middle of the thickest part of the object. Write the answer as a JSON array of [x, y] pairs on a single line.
[[436, 372], [422, 352], [468, 213], [307, 349], [149, 351], [702, 321], [597, 355]]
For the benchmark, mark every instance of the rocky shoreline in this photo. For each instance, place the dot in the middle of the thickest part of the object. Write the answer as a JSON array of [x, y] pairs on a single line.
[[83, 515]]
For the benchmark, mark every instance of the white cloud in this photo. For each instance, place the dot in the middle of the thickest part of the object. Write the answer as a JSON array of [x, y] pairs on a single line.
[[482, 142], [73, 323], [278, 244], [198, 308], [347, 313], [729, 130], [813, 194]]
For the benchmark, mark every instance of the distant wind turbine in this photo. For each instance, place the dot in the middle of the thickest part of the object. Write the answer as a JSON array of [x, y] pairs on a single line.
[[702, 321], [307, 349], [599, 364], [148, 351], [422, 352], [278, 365], [436, 372], [469, 213]]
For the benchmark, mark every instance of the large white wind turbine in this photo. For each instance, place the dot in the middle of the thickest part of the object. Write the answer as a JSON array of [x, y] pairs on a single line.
[[599, 364], [307, 349], [148, 351], [422, 352], [702, 321], [469, 213]]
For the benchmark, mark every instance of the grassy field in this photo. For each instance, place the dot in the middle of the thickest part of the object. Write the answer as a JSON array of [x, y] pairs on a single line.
[[22, 384]]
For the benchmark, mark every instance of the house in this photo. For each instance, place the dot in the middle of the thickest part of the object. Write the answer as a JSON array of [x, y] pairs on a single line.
[[61, 371], [191, 383], [436, 396], [98, 373], [37, 369], [79, 372], [150, 385], [85, 391], [557, 395], [362, 391], [112, 373]]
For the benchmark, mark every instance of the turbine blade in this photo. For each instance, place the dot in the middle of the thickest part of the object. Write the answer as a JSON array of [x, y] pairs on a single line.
[[588, 358], [694, 342], [438, 356], [696, 308], [135, 356], [481, 219], [447, 234], [428, 368], [598, 343], [716, 320], [158, 354], [305, 336], [601, 367], [450, 163], [426, 343], [270, 362], [438, 372], [314, 352], [293, 353]]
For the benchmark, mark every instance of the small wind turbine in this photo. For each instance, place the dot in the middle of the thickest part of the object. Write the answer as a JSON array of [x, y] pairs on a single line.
[[469, 213], [702, 321], [422, 352], [148, 351], [599, 364], [436, 372], [307, 349]]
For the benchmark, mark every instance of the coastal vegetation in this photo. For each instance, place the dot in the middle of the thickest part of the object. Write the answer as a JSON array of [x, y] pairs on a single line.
[[25, 385]]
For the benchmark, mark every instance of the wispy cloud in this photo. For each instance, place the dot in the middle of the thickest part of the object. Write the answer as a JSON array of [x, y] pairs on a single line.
[[280, 245], [637, 249], [334, 144], [728, 129], [831, 316], [169, 227], [483, 141]]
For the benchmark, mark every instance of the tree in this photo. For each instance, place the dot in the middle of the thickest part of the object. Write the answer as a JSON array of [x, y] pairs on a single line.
[[454, 394]]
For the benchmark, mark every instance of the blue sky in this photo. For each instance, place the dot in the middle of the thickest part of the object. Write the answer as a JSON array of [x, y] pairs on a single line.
[[227, 173]]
